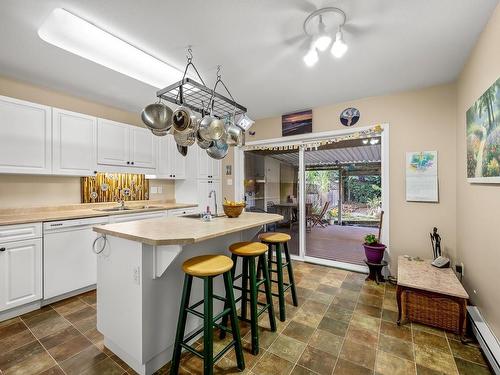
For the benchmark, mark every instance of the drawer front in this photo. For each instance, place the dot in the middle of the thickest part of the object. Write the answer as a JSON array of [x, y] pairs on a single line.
[[20, 232], [134, 217], [182, 211]]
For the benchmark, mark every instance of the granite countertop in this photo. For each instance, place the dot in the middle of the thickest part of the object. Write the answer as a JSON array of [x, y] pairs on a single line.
[[422, 275], [183, 230], [79, 211]]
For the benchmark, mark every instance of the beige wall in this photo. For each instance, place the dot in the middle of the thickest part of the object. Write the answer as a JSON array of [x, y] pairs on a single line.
[[478, 206], [30, 191], [419, 120]]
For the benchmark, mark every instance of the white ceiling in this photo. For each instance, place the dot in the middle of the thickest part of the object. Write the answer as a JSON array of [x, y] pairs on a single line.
[[394, 45], [346, 155]]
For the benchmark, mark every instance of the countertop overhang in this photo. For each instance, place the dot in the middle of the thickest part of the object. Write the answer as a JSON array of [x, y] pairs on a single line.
[[183, 230]]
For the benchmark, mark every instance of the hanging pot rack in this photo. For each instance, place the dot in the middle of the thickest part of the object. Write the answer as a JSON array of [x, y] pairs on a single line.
[[200, 98]]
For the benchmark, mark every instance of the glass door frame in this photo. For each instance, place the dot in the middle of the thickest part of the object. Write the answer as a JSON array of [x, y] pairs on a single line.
[[239, 176]]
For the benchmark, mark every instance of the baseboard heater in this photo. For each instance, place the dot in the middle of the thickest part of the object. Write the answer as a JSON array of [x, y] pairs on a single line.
[[486, 338]]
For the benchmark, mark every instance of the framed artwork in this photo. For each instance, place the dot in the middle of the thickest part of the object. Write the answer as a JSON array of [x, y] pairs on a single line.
[[483, 137], [296, 123], [422, 176], [349, 116]]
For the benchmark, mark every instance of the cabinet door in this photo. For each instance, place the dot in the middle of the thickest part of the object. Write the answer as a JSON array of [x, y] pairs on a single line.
[[113, 143], [179, 161], [20, 273], [204, 164], [164, 156], [203, 195], [143, 148], [25, 137], [74, 143], [216, 166]]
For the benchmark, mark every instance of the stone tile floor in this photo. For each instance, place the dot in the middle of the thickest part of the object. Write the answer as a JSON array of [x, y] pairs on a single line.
[[343, 325]]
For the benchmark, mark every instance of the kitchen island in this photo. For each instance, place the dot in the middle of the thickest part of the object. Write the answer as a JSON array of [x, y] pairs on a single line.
[[139, 280]]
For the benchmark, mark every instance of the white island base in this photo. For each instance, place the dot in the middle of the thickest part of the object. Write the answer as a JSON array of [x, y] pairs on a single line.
[[139, 290]]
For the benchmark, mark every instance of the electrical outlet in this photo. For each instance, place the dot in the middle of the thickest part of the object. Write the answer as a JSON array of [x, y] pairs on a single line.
[[160, 189], [154, 190]]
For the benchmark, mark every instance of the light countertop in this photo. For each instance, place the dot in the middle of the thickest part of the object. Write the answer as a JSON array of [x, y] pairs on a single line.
[[183, 230], [422, 275], [80, 211]]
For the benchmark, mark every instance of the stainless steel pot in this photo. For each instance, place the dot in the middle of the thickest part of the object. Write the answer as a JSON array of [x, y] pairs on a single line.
[[183, 150], [159, 133], [182, 119], [203, 144], [157, 116], [184, 139], [211, 128], [218, 150], [234, 135]]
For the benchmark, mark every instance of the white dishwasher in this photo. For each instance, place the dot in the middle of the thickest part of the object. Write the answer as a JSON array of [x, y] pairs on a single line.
[[68, 260]]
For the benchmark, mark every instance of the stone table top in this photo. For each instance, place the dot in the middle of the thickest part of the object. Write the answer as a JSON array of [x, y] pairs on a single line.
[[422, 275], [184, 230]]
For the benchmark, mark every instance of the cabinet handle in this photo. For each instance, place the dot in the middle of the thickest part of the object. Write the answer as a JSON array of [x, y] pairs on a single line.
[[132, 162], [128, 162], [2, 249]]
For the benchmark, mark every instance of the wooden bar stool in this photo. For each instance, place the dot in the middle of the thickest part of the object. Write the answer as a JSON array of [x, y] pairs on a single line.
[[207, 267], [249, 251], [279, 242]]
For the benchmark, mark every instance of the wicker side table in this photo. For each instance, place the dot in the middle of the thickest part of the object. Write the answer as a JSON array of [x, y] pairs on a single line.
[[431, 296]]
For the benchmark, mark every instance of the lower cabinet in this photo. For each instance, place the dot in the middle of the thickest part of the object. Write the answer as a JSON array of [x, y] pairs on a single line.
[[20, 273]]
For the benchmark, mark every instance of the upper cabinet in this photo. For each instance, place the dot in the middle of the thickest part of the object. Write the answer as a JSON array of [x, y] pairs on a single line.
[[25, 137], [208, 168], [124, 145], [171, 164], [74, 143]]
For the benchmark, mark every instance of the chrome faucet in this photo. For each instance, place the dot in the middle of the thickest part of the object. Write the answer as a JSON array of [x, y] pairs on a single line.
[[214, 194]]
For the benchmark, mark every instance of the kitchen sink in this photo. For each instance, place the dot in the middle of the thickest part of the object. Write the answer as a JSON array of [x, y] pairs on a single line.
[[198, 216]]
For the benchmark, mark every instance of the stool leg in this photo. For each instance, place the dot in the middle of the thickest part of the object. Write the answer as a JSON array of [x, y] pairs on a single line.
[[235, 328], [181, 324], [281, 289], [225, 318], [253, 305], [208, 355], [290, 275], [270, 258], [269, 297], [244, 288]]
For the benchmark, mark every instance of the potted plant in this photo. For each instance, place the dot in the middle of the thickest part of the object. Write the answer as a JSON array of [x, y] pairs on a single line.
[[332, 216], [374, 250]]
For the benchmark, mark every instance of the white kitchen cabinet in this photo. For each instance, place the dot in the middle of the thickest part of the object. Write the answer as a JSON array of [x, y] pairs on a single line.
[[74, 143], [182, 211], [171, 164], [208, 168], [143, 148], [25, 137], [138, 216], [113, 143], [125, 145], [20, 272]]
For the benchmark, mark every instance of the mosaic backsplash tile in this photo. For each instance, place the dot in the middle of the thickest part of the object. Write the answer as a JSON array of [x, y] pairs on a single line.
[[111, 187]]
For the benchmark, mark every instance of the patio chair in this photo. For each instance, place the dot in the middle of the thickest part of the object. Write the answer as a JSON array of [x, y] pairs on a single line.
[[317, 219]]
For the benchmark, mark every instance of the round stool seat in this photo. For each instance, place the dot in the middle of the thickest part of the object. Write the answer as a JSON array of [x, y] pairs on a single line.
[[248, 248], [207, 265], [274, 237]]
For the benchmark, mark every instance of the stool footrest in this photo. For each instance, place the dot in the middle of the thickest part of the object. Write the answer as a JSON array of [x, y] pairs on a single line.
[[193, 335], [192, 350], [224, 350], [259, 313], [283, 265], [194, 312]]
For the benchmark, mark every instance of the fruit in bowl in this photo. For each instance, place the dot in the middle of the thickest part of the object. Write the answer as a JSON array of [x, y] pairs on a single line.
[[232, 208]]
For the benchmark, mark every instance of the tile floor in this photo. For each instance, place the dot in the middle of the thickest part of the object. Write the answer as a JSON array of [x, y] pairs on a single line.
[[343, 325]]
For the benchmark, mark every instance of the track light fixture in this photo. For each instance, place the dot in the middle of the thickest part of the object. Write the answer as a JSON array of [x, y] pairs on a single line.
[[321, 37]]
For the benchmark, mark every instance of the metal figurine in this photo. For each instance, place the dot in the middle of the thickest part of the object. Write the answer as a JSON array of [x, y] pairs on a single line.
[[436, 242]]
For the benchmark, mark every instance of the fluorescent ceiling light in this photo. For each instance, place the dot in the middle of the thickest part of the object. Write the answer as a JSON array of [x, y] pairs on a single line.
[[73, 34]]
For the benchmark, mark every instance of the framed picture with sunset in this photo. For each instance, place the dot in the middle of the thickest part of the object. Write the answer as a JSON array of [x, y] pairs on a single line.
[[296, 123]]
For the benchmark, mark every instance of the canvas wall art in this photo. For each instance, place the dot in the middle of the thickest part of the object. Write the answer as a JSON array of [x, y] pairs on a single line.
[[483, 137], [296, 123]]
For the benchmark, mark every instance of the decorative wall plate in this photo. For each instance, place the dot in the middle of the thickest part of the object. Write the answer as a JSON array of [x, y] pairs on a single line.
[[349, 116]]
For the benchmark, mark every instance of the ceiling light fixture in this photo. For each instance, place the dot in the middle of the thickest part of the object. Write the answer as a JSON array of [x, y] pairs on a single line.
[[321, 38], [73, 34]]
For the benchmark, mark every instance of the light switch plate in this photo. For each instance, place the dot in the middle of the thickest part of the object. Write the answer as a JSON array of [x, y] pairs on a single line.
[[229, 181], [154, 190], [160, 190]]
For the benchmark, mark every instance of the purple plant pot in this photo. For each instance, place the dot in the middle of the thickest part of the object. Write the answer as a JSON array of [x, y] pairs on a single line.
[[374, 253]]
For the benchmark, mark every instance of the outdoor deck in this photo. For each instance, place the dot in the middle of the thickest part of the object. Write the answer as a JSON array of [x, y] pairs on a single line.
[[338, 243]]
